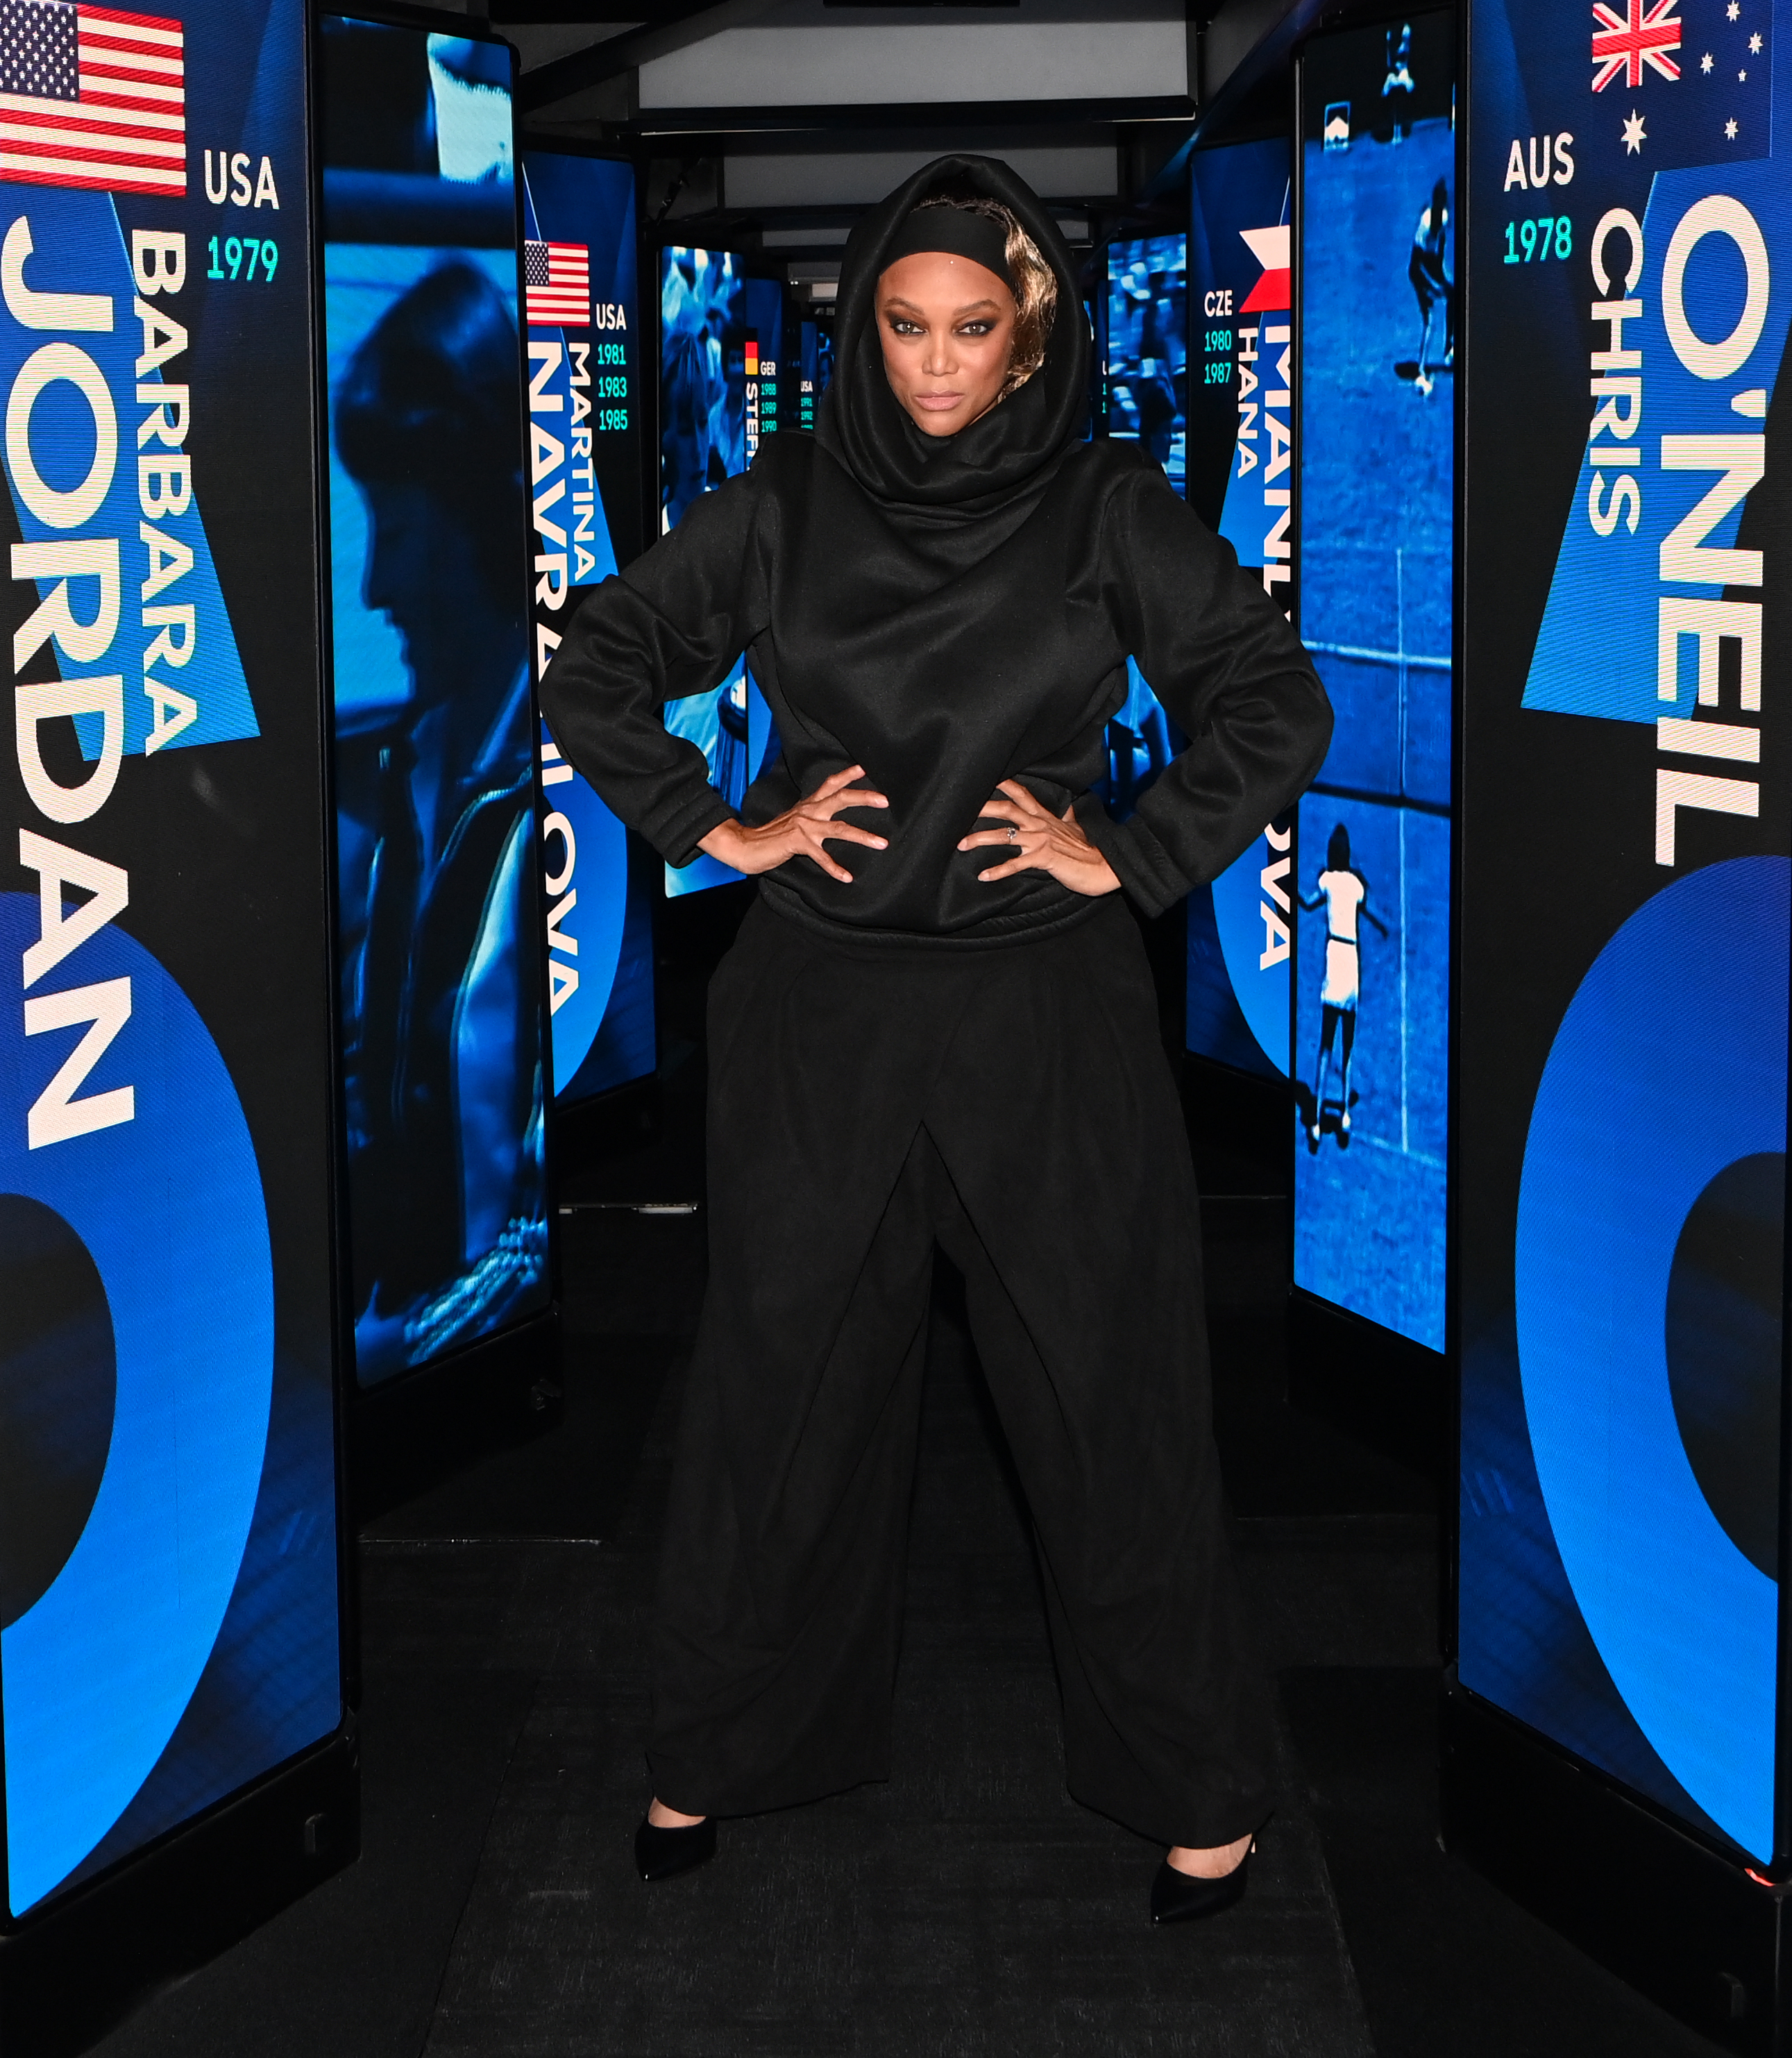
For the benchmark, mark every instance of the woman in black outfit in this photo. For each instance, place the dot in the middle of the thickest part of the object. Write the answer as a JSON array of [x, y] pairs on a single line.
[[937, 1027]]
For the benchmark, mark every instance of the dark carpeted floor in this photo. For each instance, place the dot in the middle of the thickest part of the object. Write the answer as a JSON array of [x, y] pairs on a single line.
[[967, 1907]]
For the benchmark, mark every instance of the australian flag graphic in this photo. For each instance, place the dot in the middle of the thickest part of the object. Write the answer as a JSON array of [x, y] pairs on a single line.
[[1676, 83]]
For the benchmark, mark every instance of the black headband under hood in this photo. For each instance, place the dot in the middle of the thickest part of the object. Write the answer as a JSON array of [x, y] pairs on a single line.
[[960, 231], [984, 466]]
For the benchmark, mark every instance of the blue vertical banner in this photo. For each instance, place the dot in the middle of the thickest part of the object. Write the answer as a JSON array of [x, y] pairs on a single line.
[[438, 850], [720, 332], [169, 1573], [1241, 480], [1626, 897], [1376, 315], [582, 316]]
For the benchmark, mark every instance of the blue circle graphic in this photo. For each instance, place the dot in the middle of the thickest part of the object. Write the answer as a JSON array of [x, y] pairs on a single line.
[[96, 1673], [1241, 893], [1669, 1066], [597, 855]]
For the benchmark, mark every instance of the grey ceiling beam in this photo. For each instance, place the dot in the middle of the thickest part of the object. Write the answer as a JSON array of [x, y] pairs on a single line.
[[679, 23], [1273, 54], [710, 123]]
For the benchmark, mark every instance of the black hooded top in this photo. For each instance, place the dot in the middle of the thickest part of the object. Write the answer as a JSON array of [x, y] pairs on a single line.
[[947, 612]]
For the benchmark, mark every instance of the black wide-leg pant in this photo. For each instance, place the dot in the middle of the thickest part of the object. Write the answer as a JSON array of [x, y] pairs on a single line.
[[1013, 1106]]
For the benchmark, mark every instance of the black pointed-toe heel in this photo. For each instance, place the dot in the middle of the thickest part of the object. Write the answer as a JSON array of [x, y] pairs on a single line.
[[663, 1854], [1180, 1897]]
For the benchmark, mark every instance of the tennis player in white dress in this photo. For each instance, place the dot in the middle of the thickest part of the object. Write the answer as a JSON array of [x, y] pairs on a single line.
[[1344, 894]]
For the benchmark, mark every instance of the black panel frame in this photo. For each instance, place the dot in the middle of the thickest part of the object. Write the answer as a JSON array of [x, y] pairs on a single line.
[[73, 1971], [1698, 1932], [81, 1960], [1682, 1918], [490, 1392], [1382, 1366]]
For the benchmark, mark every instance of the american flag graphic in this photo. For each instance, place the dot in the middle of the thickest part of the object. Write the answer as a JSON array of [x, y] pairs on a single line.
[[92, 97], [556, 283]]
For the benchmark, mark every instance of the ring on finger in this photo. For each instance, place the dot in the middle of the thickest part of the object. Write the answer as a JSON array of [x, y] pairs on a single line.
[[1014, 834]]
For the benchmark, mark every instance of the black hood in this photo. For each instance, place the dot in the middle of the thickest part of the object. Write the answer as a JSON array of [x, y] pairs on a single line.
[[1008, 453]]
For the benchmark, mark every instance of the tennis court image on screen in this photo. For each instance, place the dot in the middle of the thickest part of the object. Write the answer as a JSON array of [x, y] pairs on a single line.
[[720, 334], [1372, 980]]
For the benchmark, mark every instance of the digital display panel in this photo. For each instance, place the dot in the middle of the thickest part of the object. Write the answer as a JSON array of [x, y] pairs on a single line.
[[439, 885], [582, 317], [720, 332], [1627, 895], [169, 1579], [1147, 354], [1241, 477], [1372, 880], [1143, 378], [814, 366]]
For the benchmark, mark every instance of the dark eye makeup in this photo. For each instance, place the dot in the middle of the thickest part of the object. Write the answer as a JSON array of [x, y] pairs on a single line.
[[904, 325]]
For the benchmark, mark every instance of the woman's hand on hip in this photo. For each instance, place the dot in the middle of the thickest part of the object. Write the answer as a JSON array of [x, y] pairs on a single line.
[[1041, 841], [801, 830]]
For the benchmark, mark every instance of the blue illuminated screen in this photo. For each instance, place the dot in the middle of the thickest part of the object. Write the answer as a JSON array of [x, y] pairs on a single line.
[[1377, 334], [1240, 481], [1147, 353], [438, 888], [1625, 911], [169, 1566], [1145, 379], [720, 332], [814, 369], [583, 319]]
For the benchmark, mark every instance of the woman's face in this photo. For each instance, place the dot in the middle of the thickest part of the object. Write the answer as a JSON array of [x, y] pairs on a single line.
[[946, 326]]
